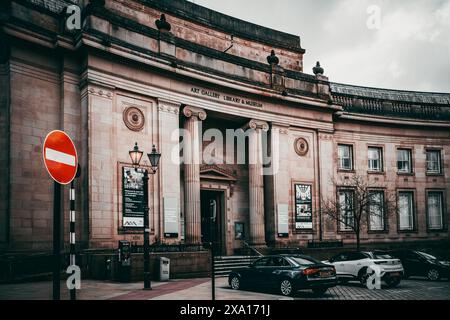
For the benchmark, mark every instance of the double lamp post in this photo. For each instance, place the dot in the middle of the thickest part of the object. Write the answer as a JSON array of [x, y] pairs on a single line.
[[154, 157]]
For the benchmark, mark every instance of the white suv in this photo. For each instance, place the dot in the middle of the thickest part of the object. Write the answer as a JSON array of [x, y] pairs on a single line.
[[354, 265]]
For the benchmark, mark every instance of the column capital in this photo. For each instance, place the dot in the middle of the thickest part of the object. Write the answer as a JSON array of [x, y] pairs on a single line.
[[189, 112], [256, 124]]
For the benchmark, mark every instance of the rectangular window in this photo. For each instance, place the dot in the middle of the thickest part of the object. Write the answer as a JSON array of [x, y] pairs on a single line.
[[376, 211], [434, 162], [406, 211], [375, 156], [435, 210], [404, 164], [345, 157], [346, 202]]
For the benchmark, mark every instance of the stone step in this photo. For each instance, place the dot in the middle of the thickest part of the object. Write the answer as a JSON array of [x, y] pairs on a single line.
[[224, 265], [234, 257], [234, 260], [228, 269]]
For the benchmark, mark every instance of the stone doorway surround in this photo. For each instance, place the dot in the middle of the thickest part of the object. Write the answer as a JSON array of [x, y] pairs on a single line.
[[215, 178]]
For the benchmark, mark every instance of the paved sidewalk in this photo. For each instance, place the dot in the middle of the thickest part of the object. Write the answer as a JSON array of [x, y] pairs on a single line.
[[191, 289], [200, 289]]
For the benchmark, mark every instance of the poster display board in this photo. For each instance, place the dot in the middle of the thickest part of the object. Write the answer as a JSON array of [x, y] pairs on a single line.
[[171, 215], [303, 207], [283, 221], [133, 201]]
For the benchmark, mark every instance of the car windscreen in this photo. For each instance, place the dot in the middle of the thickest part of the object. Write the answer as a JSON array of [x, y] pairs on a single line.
[[301, 261], [427, 256]]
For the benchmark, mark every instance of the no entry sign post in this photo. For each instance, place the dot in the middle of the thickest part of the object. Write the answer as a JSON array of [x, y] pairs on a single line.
[[56, 240], [61, 161]]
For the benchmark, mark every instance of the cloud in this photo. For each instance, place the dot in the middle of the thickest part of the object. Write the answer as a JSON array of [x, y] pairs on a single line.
[[410, 51]]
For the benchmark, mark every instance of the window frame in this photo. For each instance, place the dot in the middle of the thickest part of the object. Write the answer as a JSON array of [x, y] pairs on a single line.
[[411, 164], [339, 223], [412, 192], [381, 159], [443, 209], [440, 162], [385, 222], [352, 157]]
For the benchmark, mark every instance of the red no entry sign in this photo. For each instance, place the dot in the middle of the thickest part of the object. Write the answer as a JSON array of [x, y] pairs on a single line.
[[60, 157]]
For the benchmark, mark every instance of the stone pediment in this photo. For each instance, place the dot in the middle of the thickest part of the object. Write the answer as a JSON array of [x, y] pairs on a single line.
[[214, 172]]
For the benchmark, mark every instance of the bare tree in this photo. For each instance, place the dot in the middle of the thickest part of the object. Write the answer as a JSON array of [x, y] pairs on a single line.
[[356, 202]]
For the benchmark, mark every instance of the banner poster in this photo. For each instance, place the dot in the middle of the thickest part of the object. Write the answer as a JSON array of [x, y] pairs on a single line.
[[303, 207], [133, 198]]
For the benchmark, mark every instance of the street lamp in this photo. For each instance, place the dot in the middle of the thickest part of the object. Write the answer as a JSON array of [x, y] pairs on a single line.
[[136, 155], [154, 157]]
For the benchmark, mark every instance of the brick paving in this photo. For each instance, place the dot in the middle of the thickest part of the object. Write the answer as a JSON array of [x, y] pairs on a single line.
[[408, 290], [200, 289], [169, 288]]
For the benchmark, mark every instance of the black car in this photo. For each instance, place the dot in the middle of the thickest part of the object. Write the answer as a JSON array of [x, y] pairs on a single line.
[[286, 274], [417, 263]]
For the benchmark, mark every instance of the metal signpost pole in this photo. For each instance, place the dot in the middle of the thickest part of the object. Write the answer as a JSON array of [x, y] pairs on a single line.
[[56, 241], [73, 291], [213, 209], [147, 281]]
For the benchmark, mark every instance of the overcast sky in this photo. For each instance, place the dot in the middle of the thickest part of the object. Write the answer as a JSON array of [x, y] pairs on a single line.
[[410, 50]]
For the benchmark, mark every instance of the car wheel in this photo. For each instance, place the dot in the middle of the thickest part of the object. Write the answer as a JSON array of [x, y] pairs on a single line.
[[363, 278], [433, 275], [286, 287], [393, 282], [319, 291], [235, 283]]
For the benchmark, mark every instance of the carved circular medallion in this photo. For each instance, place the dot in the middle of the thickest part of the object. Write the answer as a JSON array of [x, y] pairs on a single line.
[[133, 118], [301, 147]]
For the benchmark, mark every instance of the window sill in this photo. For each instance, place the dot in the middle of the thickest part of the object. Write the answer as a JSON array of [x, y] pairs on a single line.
[[346, 232], [346, 171], [376, 172], [437, 230], [406, 174], [378, 232], [434, 174], [413, 231]]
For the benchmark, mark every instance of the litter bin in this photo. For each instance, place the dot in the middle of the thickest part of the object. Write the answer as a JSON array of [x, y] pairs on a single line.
[[164, 269]]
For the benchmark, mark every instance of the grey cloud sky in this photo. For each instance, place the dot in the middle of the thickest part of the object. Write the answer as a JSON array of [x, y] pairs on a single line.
[[411, 51]]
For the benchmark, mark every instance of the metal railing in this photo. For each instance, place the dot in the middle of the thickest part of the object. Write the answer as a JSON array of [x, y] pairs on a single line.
[[252, 249]]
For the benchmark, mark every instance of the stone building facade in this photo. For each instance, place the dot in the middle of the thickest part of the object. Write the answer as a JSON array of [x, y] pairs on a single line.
[[141, 70]]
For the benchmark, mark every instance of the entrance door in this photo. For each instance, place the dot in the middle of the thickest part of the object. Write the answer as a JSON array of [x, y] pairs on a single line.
[[212, 204]]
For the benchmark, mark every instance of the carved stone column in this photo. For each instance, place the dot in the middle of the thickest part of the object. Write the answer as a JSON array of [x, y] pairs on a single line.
[[191, 152], [256, 182]]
